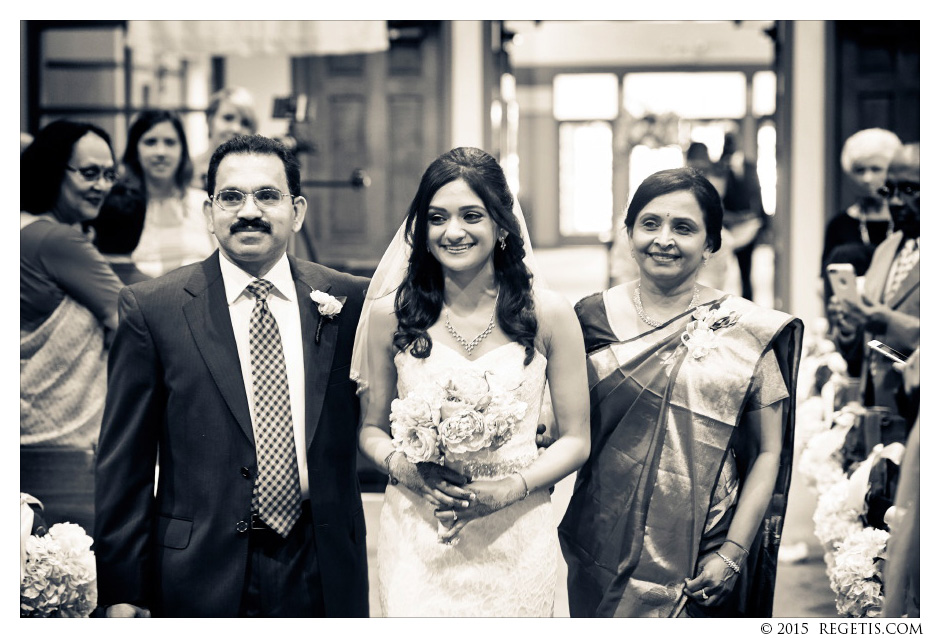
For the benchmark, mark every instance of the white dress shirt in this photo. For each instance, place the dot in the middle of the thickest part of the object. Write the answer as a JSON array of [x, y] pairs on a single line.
[[282, 302]]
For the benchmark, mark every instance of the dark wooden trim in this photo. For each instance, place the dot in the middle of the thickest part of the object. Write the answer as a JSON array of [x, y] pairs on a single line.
[[216, 73], [529, 76], [79, 65], [31, 65], [783, 65], [832, 146]]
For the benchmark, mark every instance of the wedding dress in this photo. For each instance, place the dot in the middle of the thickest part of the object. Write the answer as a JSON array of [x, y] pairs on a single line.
[[503, 564]]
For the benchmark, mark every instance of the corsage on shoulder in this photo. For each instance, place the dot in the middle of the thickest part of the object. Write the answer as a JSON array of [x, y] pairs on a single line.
[[700, 334], [328, 307]]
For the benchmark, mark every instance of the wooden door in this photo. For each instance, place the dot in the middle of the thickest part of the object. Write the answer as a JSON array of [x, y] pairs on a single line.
[[877, 66], [379, 114]]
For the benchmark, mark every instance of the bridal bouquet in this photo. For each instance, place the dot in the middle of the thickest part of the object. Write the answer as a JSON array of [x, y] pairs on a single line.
[[454, 417], [59, 578]]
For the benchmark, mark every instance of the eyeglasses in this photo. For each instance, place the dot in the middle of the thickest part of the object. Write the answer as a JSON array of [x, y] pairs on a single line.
[[93, 173], [234, 199], [904, 188]]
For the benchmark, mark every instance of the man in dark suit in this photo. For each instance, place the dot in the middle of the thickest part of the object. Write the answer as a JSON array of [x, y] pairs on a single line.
[[230, 379], [890, 308]]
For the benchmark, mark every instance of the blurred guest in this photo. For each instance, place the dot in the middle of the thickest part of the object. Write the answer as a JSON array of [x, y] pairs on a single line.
[[158, 165], [744, 208], [902, 567], [867, 221], [68, 292], [231, 112], [890, 304], [721, 270], [117, 231]]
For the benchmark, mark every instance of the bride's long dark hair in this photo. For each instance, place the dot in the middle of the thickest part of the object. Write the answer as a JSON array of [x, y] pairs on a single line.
[[420, 297]]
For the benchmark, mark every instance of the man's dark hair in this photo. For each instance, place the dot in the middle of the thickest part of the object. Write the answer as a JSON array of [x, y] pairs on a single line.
[[120, 221], [255, 145]]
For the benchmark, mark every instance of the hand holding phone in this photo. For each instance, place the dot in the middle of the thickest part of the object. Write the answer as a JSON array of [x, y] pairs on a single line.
[[844, 282], [887, 351]]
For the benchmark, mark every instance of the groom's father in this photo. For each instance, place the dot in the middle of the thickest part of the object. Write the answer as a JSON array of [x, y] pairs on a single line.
[[226, 476]]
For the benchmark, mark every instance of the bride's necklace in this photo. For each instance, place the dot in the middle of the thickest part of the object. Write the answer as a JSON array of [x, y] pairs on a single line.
[[649, 320], [470, 345]]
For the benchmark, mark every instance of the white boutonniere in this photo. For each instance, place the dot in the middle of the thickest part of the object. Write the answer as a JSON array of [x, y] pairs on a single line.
[[328, 307]]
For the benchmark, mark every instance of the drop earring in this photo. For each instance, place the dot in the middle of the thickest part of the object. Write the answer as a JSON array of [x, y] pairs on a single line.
[[502, 242]]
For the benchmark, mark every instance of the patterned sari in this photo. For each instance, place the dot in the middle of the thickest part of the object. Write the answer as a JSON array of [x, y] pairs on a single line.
[[658, 493]]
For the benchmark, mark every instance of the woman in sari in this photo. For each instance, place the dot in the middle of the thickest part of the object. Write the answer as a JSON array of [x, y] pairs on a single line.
[[679, 509], [68, 292]]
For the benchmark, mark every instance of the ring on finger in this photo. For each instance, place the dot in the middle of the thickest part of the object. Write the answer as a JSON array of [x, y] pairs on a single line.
[[454, 512], [704, 595]]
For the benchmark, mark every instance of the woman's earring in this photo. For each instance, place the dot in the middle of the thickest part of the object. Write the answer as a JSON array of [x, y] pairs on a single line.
[[502, 242]]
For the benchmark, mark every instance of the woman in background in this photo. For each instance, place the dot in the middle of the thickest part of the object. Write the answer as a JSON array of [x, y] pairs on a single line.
[[230, 112], [68, 293], [867, 221], [158, 167], [679, 509]]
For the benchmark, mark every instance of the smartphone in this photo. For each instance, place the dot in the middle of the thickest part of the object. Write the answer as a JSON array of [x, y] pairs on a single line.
[[887, 351], [843, 281]]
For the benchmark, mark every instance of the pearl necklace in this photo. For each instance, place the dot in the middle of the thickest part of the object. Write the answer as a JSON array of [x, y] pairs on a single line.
[[470, 345], [649, 320]]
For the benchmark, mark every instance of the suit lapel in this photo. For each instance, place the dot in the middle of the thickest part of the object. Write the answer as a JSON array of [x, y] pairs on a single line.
[[318, 358], [911, 281], [209, 321], [877, 276]]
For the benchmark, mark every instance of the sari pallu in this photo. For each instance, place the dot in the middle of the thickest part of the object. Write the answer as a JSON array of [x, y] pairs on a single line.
[[658, 492], [63, 379]]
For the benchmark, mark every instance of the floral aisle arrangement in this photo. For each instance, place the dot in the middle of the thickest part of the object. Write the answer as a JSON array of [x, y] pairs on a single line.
[[447, 420], [58, 578], [854, 553], [856, 573]]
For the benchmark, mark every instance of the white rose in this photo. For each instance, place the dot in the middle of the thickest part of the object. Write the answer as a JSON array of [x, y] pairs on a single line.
[[417, 443], [327, 305], [465, 431]]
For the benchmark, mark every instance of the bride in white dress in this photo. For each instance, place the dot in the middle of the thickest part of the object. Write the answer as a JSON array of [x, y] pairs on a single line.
[[452, 356]]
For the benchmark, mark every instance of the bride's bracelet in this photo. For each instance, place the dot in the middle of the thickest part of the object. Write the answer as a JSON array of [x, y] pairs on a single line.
[[525, 485], [388, 469]]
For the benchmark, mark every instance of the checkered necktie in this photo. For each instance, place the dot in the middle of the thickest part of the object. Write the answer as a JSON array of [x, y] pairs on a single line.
[[276, 495], [905, 260]]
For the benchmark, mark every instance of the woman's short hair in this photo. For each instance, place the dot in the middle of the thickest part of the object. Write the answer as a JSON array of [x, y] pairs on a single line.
[[681, 179], [146, 121], [43, 162], [869, 142], [238, 97]]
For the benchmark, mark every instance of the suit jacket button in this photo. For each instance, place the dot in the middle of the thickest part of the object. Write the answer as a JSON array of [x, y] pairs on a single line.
[[245, 472], [241, 527]]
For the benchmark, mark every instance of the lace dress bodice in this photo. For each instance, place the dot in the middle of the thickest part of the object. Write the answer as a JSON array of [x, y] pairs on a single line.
[[503, 564]]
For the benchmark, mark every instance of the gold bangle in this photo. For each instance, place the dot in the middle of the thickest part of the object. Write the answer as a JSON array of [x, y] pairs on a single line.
[[746, 553], [525, 484], [730, 563], [388, 470]]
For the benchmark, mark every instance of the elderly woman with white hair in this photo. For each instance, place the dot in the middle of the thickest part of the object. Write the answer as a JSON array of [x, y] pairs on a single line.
[[853, 234]]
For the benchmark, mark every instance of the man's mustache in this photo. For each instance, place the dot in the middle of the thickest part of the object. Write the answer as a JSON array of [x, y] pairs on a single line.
[[250, 224]]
